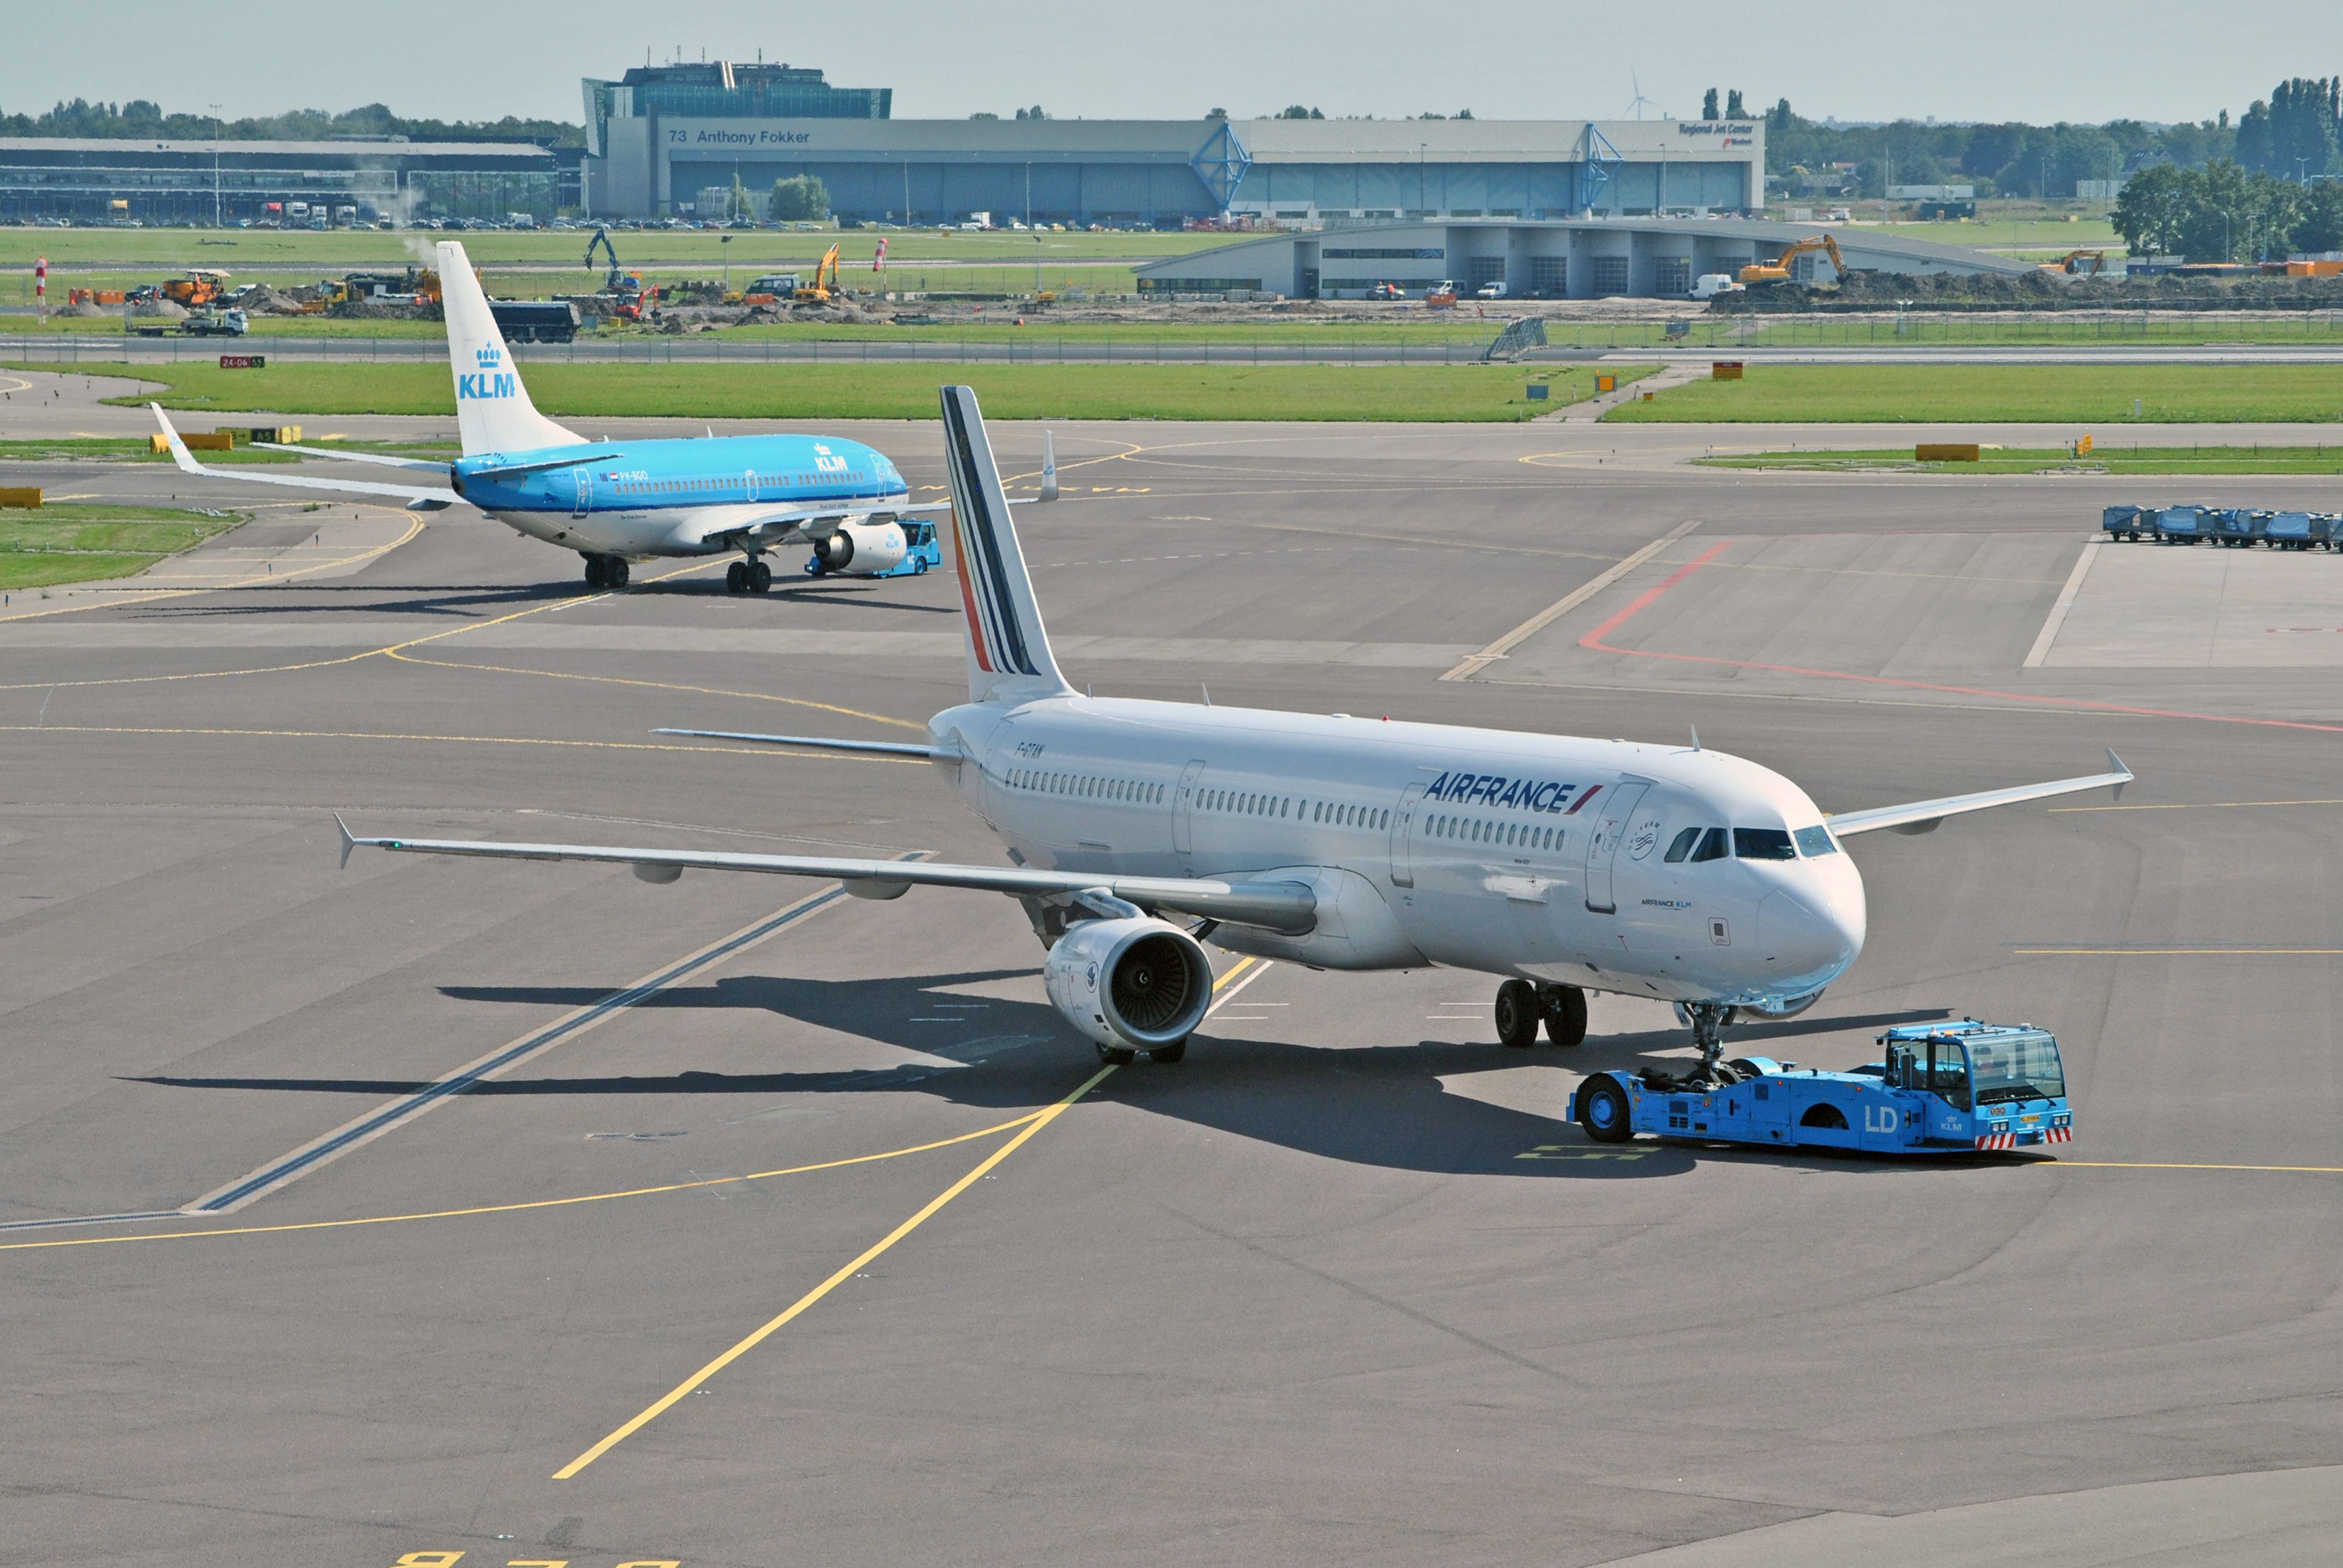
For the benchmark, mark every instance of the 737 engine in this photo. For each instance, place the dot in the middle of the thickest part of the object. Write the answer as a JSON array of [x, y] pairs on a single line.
[[861, 547], [1130, 985]]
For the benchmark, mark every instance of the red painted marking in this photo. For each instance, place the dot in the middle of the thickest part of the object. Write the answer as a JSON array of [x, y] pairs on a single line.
[[968, 603], [1594, 640], [1582, 799]]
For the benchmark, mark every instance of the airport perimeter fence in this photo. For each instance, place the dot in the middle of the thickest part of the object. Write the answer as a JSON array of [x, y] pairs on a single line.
[[1461, 341]]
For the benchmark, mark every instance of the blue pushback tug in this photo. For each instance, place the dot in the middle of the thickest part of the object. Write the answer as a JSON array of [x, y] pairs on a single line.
[[1940, 1089], [920, 551]]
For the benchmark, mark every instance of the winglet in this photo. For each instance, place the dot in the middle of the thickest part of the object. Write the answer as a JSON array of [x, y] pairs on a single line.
[[1048, 467], [2116, 765], [179, 453], [349, 842]]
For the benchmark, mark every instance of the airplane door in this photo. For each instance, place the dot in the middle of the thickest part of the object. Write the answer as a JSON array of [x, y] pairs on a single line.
[[1609, 831], [1182, 799], [1403, 831], [585, 502]]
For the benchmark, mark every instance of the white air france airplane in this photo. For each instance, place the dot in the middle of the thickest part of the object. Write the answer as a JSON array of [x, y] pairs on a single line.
[[1140, 830], [614, 502]]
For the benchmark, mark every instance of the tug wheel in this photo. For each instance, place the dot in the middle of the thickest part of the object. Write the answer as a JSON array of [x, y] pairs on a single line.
[[1603, 1110]]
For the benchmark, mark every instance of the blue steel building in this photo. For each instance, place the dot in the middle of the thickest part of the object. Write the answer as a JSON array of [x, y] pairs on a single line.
[[661, 137]]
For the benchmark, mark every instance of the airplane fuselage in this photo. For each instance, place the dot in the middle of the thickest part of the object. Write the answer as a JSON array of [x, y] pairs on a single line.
[[676, 497], [1680, 874]]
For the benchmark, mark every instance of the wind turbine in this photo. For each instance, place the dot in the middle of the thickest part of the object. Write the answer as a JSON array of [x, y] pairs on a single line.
[[1641, 103]]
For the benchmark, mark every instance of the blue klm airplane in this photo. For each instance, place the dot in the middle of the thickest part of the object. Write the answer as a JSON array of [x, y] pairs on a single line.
[[619, 501]]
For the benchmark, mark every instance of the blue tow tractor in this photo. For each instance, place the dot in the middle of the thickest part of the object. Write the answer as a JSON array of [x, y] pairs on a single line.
[[1940, 1089], [919, 552]]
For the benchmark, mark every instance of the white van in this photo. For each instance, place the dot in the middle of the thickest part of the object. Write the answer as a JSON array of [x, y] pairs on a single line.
[[1713, 284]]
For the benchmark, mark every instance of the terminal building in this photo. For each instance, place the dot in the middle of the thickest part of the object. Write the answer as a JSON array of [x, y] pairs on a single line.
[[1569, 258], [661, 140], [111, 179]]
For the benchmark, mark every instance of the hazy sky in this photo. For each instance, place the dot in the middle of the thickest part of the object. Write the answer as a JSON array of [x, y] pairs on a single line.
[[2038, 60]]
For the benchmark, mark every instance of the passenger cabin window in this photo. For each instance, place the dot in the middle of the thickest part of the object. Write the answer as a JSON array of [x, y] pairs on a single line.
[[1761, 844], [1814, 842]]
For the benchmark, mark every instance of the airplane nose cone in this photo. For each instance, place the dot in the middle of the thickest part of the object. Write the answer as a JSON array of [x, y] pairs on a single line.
[[1810, 936]]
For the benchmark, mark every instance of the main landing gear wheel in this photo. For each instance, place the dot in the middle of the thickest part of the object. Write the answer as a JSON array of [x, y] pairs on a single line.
[[1565, 1014], [735, 577], [1517, 1014], [1603, 1110], [605, 572], [761, 577], [1117, 1055], [1168, 1054]]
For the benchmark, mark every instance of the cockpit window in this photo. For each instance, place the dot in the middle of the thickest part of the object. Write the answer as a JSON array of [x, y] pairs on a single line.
[[1814, 842], [1761, 844], [1682, 845], [1712, 845]]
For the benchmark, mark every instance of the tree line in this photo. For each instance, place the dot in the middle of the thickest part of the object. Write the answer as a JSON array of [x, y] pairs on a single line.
[[143, 120]]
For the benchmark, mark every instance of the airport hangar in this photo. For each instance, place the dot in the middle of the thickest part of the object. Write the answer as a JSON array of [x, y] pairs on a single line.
[[1566, 258], [98, 179], [661, 135]]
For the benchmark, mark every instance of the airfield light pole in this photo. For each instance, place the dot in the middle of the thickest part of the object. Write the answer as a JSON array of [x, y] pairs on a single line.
[[722, 240], [215, 172], [1419, 148]]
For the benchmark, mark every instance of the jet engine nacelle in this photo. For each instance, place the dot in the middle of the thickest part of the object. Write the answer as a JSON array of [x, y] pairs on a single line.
[[1130, 984], [862, 548]]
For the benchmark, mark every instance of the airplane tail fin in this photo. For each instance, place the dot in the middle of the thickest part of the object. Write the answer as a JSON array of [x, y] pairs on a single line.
[[1008, 650], [493, 412]]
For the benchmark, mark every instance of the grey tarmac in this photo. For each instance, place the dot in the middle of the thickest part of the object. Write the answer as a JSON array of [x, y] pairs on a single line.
[[1343, 1286]]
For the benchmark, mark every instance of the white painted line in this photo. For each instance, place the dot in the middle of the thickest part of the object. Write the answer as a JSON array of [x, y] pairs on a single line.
[[1563, 606], [288, 1168], [2067, 597]]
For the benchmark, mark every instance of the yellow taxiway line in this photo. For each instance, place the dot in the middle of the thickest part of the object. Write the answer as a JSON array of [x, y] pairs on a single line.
[[772, 1325]]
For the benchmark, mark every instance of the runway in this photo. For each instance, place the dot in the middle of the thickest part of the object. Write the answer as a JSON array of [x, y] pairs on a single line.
[[533, 1213]]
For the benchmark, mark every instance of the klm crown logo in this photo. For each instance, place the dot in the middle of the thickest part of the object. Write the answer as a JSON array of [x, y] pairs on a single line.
[[487, 381]]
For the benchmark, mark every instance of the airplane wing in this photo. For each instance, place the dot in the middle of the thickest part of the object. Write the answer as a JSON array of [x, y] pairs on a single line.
[[1287, 907], [818, 743], [417, 499], [1924, 816], [427, 465]]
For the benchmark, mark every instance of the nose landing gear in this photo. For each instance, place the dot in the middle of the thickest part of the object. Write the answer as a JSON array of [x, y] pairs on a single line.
[[1521, 1007], [751, 575]]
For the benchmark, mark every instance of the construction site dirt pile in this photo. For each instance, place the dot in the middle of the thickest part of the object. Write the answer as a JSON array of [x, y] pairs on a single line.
[[2038, 289]]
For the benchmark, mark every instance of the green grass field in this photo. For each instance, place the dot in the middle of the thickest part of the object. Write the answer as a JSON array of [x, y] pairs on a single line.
[[729, 391], [2102, 460], [77, 542], [2080, 396], [120, 450]]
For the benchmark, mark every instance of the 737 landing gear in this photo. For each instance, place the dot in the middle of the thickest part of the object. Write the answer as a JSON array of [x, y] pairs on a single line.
[[751, 575], [1565, 1014], [606, 572]]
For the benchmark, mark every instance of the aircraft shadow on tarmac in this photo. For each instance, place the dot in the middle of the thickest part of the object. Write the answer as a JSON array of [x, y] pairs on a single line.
[[1381, 1105], [465, 600]]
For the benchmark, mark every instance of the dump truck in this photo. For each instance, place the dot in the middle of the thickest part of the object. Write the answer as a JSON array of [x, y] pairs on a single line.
[[199, 288]]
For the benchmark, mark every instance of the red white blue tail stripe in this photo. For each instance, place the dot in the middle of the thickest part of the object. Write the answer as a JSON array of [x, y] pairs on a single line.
[[1005, 636]]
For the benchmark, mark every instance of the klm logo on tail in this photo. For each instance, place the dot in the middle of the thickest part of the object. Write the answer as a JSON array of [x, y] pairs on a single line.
[[489, 381]]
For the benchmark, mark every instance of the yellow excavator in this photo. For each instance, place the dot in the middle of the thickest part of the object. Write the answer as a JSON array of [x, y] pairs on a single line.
[[1778, 270], [2071, 264], [825, 281]]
